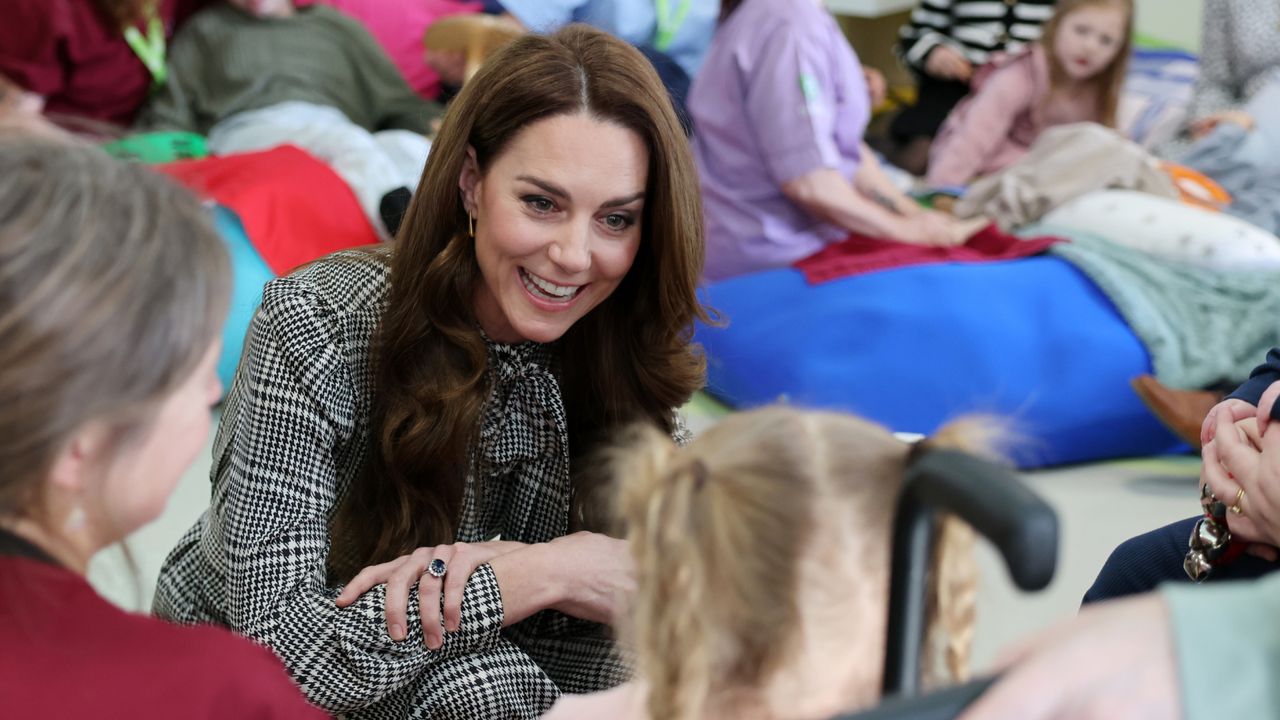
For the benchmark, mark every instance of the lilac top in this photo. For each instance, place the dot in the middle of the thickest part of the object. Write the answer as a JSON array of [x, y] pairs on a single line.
[[781, 94]]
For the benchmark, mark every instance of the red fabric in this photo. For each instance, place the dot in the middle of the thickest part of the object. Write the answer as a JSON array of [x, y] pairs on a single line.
[[859, 254], [294, 208], [69, 52], [67, 653]]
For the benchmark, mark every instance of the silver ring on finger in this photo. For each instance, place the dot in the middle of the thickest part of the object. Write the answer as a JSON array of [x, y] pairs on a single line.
[[437, 568]]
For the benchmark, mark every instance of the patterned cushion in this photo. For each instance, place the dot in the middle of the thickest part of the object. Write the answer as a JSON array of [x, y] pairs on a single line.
[[1170, 229]]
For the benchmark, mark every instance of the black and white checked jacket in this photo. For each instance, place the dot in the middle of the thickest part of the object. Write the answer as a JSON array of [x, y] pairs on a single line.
[[977, 28], [293, 435]]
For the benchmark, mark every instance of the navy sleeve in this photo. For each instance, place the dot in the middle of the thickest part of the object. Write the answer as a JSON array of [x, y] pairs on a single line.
[[1261, 377]]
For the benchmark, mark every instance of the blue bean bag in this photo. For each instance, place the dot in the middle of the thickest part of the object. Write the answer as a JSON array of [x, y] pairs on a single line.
[[1031, 339], [249, 273]]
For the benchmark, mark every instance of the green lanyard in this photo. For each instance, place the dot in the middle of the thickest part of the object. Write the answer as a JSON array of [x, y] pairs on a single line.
[[669, 25], [149, 49]]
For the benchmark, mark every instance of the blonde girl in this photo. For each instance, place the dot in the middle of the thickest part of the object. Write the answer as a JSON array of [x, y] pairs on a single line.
[[762, 568], [1073, 74]]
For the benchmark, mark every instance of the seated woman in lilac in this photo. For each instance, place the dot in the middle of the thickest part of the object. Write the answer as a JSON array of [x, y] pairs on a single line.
[[779, 108]]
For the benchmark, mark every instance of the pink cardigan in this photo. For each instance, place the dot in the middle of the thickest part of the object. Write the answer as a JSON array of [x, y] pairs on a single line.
[[993, 127]]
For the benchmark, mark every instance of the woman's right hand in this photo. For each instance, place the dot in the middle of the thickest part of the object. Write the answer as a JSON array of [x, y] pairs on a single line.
[[946, 63], [461, 559], [933, 228], [1244, 473]]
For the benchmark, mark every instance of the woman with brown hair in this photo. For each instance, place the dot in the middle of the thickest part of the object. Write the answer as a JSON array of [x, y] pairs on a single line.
[[762, 569], [113, 289], [90, 59], [420, 410]]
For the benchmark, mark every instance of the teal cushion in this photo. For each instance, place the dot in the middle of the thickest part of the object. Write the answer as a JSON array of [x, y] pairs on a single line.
[[249, 273]]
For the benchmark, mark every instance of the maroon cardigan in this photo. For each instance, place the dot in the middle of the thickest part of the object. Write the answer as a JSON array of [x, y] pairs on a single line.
[[67, 652]]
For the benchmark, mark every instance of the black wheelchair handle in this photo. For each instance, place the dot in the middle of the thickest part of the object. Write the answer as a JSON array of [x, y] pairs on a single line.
[[997, 504]]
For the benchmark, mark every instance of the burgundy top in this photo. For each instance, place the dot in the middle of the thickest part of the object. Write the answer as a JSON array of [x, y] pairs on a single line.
[[70, 52], [69, 653]]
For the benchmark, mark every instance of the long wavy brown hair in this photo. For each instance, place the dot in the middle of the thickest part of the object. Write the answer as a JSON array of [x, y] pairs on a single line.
[[631, 358], [1110, 81]]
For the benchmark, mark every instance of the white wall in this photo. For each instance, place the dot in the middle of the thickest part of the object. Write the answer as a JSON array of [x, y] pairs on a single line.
[[1173, 21]]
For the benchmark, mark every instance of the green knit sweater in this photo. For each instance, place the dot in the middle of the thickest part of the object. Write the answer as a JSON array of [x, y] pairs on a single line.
[[224, 61]]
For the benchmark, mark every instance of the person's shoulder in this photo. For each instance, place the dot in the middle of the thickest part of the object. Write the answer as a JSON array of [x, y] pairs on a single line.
[[782, 14], [218, 14], [349, 281], [223, 673], [209, 23], [776, 24]]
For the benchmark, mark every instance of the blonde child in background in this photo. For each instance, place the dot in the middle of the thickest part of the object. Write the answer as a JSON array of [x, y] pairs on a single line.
[[762, 555], [1073, 74]]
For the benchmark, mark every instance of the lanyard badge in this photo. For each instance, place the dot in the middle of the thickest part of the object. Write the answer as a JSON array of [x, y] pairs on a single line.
[[149, 49], [669, 23]]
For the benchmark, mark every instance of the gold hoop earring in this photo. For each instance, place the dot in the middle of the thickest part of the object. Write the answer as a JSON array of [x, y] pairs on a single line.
[[471, 224]]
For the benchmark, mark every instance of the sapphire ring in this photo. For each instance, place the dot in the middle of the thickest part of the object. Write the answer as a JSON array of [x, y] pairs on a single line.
[[437, 568]]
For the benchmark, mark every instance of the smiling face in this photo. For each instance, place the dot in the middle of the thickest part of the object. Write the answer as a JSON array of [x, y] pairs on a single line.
[[557, 224], [1088, 40]]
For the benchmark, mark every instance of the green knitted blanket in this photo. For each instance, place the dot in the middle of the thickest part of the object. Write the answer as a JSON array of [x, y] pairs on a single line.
[[1200, 326]]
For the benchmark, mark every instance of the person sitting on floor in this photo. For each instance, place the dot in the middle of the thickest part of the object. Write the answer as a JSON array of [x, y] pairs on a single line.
[[945, 42], [92, 62], [779, 109], [254, 74], [1073, 74]]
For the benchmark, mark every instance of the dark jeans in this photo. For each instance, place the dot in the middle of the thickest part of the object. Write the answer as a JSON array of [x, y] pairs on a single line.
[[1142, 563], [934, 101]]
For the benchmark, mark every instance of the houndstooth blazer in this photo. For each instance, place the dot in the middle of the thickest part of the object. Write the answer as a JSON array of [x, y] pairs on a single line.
[[293, 435]]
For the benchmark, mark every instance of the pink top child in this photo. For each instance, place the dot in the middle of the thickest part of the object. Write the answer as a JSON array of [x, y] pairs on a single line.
[[1071, 75]]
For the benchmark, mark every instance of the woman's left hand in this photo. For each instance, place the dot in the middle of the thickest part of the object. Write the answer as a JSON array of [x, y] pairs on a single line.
[[1234, 461], [461, 559]]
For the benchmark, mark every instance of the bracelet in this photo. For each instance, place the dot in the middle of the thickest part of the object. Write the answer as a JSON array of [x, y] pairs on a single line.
[[1210, 544]]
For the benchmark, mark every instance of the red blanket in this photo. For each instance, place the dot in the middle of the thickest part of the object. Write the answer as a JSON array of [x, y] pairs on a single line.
[[294, 207], [859, 254]]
